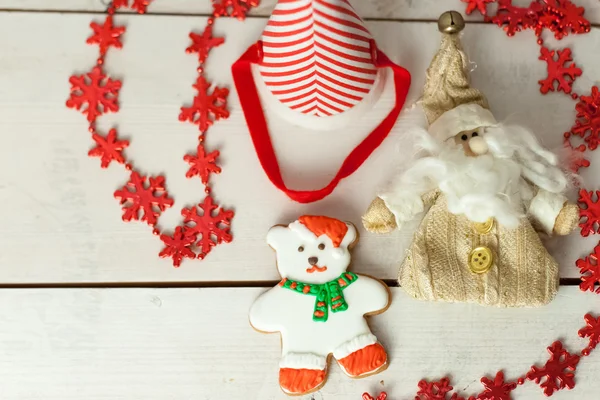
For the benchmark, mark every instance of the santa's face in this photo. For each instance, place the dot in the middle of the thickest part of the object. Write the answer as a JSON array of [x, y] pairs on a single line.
[[472, 142], [301, 256]]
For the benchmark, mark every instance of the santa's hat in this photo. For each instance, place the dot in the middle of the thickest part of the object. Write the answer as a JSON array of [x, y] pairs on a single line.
[[317, 66], [450, 103]]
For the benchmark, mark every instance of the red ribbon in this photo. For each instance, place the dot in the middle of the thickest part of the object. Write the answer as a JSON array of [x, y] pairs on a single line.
[[251, 106]]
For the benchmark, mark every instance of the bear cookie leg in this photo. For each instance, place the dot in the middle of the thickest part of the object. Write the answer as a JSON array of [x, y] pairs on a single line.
[[361, 356], [301, 373]]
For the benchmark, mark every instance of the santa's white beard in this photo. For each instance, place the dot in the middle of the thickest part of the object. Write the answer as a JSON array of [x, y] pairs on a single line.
[[481, 187]]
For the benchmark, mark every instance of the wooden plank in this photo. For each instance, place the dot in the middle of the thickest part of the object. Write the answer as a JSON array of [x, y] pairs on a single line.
[[368, 9], [159, 344], [60, 222]]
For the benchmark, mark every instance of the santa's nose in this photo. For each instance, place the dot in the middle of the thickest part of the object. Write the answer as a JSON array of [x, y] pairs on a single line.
[[313, 260], [478, 145]]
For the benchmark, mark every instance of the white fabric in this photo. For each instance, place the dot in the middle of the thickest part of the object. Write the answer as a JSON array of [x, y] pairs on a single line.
[[461, 118], [303, 361], [358, 343], [545, 208]]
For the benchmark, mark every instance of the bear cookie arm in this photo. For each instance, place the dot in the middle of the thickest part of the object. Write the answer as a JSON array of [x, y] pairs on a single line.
[[319, 307]]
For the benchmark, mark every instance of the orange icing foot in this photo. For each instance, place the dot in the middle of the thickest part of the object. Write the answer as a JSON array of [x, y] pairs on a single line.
[[299, 381], [364, 361]]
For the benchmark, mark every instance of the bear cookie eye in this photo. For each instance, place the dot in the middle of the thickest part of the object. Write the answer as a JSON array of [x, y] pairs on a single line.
[[321, 246], [301, 249]]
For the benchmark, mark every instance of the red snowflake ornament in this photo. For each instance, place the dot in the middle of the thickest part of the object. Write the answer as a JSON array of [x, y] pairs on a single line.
[[590, 271], [94, 94], [576, 159], [563, 17], [515, 19], [202, 164], [367, 396], [106, 35], [233, 8], [209, 223], [480, 5], [589, 211], [151, 199], [436, 390], [587, 125], [141, 6], [558, 70], [203, 43], [207, 107], [496, 389], [108, 148], [592, 331], [177, 246], [559, 371]]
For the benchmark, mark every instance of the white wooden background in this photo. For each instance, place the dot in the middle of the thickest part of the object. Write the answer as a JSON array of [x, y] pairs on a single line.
[[60, 227]]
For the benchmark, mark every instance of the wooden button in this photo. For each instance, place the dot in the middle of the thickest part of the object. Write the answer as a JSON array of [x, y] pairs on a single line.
[[484, 228], [481, 260]]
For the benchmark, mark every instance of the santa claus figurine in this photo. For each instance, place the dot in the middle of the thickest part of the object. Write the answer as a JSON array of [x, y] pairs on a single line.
[[487, 190]]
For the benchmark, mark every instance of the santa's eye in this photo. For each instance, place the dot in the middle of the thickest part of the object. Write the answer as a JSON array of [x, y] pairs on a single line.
[[301, 249], [475, 134], [321, 246], [464, 137]]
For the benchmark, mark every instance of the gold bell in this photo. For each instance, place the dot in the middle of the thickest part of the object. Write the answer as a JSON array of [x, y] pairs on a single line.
[[451, 22]]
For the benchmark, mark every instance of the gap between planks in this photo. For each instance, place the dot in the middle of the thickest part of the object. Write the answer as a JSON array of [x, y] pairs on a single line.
[[392, 283]]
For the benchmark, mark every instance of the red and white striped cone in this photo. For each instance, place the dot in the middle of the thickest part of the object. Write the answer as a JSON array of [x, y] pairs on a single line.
[[317, 66]]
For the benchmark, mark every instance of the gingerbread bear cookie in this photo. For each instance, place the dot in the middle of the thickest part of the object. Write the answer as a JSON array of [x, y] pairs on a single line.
[[319, 307]]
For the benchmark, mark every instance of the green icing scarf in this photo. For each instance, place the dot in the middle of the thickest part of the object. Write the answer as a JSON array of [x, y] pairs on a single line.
[[329, 294]]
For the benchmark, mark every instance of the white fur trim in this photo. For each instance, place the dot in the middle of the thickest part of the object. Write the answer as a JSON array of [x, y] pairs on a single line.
[[302, 231], [462, 118], [303, 361], [404, 208], [347, 118], [545, 208], [358, 343]]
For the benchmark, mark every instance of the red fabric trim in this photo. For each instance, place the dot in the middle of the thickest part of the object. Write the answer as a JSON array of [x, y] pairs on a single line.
[[257, 124]]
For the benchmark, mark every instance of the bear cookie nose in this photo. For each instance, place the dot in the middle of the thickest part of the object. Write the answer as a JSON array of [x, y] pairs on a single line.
[[313, 260]]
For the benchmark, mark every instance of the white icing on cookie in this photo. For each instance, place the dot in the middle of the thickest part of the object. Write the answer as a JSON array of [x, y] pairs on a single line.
[[290, 309]]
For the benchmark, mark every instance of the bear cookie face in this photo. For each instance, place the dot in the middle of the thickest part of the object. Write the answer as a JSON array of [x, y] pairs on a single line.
[[319, 307], [312, 249]]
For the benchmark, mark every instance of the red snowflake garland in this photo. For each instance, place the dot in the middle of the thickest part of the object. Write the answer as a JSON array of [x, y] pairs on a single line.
[[108, 148], [587, 125], [209, 224], [106, 35], [589, 211], [233, 8], [202, 164], [496, 389], [144, 198], [558, 70], [479, 5], [438, 390], [591, 331], [202, 44], [381, 396], [140, 6], [207, 107], [590, 271], [94, 94], [148, 198], [563, 17], [558, 372], [177, 246], [515, 19]]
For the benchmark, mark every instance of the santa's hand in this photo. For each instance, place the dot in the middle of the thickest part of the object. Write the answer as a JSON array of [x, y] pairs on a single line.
[[378, 218], [567, 220]]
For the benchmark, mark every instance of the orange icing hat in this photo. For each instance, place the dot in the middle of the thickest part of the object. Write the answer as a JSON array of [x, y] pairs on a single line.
[[319, 225]]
